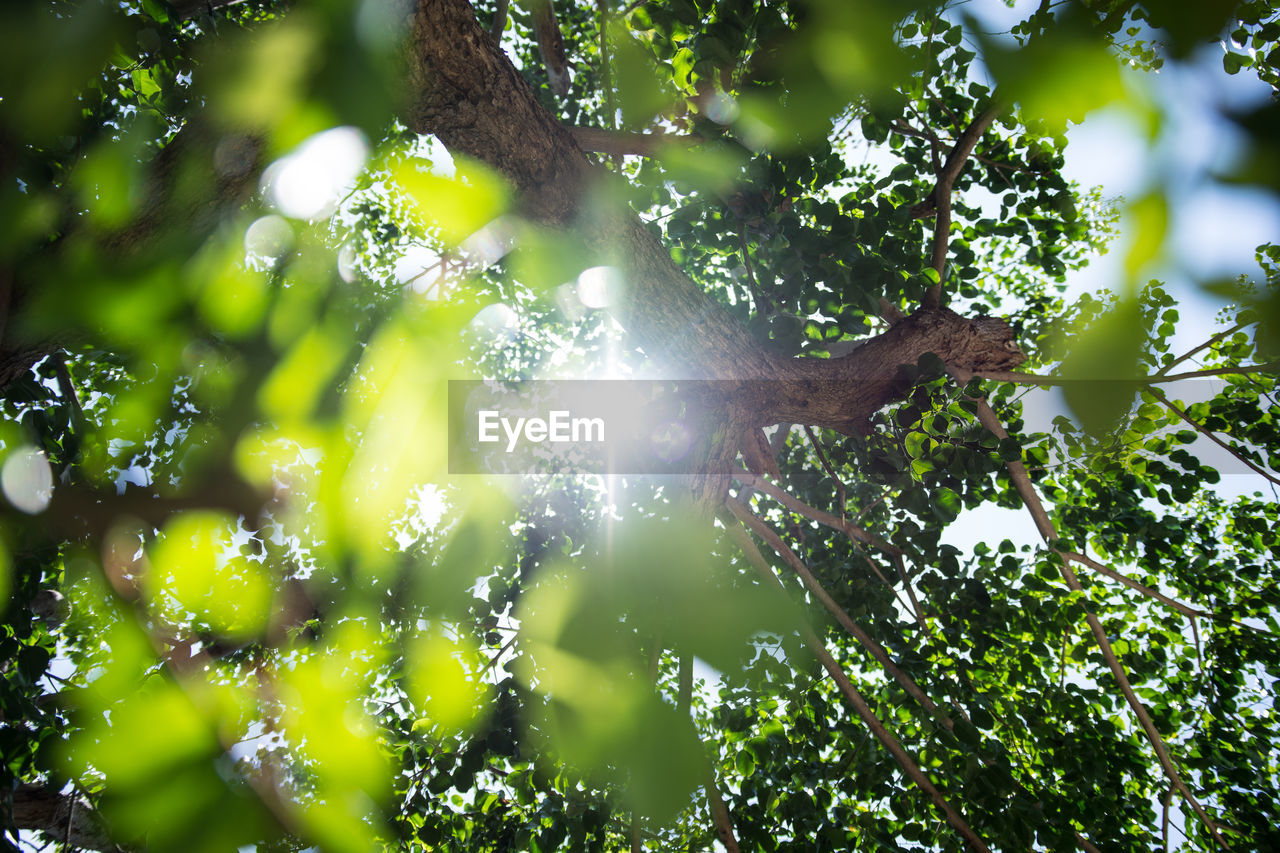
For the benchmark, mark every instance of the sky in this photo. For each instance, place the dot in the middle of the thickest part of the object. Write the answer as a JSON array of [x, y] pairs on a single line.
[[1214, 231]]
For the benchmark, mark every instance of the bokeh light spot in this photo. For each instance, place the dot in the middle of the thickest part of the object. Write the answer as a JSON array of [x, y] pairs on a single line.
[[309, 182], [27, 479]]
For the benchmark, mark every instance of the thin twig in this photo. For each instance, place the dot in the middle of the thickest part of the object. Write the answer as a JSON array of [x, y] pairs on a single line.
[[764, 306], [1157, 379], [1209, 434], [1225, 333], [1184, 609], [826, 466]]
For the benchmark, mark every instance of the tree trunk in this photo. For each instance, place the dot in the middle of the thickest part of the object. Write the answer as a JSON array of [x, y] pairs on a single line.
[[470, 96]]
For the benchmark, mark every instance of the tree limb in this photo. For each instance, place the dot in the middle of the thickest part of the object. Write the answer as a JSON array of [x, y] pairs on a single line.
[[1022, 484], [794, 504], [856, 534], [546, 31], [855, 700], [625, 143], [765, 532], [942, 194], [469, 95], [1168, 404], [499, 19], [1184, 609]]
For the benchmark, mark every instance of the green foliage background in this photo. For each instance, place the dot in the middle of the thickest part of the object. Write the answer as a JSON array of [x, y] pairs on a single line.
[[256, 609]]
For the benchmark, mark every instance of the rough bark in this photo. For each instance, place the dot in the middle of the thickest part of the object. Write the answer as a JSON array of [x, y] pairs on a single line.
[[66, 819], [469, 95], [473, 99]]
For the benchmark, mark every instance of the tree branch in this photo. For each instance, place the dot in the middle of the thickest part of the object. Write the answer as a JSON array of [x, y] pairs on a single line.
[[765, 532], [1022, 483], [1184, 609], [796, 505], [1168, 404], [499, 19], [855, 533], [854, 698], [877, 651], [1157, 379], [470, 96], [942, 194], [720, 816], [826, 466], [624, 143], [1225, 333], [546, 31]]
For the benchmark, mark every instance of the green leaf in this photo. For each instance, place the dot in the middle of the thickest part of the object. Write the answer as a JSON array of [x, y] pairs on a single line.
[[1101, 366]]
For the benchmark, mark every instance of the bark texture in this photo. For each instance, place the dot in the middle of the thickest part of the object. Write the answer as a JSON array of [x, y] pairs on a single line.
[[472, 98], [66, 819]]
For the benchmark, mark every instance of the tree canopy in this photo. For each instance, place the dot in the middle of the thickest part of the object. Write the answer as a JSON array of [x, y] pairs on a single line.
[[247, 245]]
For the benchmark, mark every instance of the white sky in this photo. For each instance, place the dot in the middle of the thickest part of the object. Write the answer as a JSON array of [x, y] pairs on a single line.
[[1215, 228]]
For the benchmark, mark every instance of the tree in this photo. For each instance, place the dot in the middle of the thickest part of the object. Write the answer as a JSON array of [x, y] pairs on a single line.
[[248, 605]]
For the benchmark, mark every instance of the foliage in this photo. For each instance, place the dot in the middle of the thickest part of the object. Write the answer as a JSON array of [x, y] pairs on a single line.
[[248, 605]]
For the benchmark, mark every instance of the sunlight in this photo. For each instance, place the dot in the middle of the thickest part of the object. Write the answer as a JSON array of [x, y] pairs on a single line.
[[27, 480], [599, 287], [310, 182]]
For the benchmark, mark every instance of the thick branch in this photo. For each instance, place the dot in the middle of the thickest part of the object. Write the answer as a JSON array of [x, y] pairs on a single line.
[[78, 511], [942, 194], [65, 818], [546, 31], [472, 98]]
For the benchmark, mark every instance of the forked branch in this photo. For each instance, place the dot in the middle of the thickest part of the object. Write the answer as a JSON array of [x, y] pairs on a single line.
[[855, 533], [765, 532]]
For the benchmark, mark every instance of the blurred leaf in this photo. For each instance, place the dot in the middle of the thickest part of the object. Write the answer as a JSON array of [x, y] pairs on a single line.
[[459, 205], [1150, 215], [640, 97], [1103, 355]]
